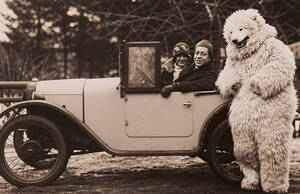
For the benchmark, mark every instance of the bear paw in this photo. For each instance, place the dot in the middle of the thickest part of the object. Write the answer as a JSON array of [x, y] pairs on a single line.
[[228, 93], [250, 184], [278, 190]]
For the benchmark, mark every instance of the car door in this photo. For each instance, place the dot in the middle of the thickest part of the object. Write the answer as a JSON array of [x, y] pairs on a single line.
[[151, 115]]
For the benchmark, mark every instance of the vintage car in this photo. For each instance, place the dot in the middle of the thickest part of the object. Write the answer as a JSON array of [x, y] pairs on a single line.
[[124, 116]]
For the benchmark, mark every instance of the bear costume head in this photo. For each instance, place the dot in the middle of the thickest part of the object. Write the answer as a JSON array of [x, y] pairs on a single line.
[[244, 32]]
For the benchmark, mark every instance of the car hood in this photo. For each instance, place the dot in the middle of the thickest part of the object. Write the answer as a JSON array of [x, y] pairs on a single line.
[[63, 86]]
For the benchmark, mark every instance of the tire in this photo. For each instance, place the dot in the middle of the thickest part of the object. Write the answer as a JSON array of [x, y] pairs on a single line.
[[220, 154], [33, 152]]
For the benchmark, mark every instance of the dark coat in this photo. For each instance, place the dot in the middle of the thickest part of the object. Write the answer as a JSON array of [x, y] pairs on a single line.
[[167, 72], [191, 79], [167, 77]]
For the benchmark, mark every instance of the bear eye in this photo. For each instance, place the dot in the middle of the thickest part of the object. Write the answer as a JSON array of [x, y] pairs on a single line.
[[241, 29], [230, 32]]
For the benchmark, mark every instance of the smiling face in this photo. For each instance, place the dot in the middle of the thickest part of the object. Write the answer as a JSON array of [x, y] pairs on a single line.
[[240, 28], [244, 32], [201, 56], [181, 59], [240, 34], [240, 37]]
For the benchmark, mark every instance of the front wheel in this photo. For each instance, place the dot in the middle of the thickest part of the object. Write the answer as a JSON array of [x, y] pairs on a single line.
[[220, 154], [33, 152]]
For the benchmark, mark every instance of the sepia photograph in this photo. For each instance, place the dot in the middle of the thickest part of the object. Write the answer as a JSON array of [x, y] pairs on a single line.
[[150, 96]]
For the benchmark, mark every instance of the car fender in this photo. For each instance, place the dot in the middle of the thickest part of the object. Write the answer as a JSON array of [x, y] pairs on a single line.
[[58, 109], [218, 115]]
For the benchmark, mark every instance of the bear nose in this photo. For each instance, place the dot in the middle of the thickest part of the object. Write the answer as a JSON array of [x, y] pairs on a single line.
[[235, 41]]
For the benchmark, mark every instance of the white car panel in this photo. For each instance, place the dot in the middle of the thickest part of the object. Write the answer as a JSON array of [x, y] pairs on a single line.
[[104, 109], [63, 86], [151, 115], [204, 106], [65, 93], [74, 104], [106, 114]]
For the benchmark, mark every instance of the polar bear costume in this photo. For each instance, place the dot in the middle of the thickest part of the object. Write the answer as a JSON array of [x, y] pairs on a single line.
[[259, 73]]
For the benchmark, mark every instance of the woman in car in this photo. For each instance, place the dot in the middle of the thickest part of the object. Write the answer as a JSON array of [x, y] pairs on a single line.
[[173, 66], [200, 76]]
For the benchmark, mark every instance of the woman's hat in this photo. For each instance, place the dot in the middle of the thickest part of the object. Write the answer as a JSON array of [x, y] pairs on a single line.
[[181, 47]]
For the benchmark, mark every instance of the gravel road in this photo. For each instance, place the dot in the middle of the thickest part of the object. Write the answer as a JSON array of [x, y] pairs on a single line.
[[102, 173]]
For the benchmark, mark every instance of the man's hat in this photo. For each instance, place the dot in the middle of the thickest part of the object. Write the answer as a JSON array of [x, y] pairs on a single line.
[[205, 43]]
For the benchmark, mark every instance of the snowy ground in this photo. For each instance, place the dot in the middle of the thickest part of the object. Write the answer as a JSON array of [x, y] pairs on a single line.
[[101, 173]]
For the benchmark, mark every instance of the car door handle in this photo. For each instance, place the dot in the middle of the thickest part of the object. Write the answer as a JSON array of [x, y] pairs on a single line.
[[187, 104]]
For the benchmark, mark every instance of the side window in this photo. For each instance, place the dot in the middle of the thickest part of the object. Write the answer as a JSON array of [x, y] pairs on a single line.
[[140, 67]]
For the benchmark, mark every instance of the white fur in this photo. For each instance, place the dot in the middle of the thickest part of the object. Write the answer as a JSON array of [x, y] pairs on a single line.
[[263, 108]]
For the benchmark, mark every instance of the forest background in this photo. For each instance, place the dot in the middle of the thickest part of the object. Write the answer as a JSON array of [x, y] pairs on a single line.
[[56, 39]]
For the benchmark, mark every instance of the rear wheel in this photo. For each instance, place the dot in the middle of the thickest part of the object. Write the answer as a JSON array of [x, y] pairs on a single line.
[[33, 152], [220, 154]]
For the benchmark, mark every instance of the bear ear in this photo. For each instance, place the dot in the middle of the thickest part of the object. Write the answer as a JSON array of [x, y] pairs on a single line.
[[253, 13], [256, 17]]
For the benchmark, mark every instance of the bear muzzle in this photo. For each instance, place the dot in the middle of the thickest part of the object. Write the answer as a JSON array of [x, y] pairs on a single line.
[[240, 44]]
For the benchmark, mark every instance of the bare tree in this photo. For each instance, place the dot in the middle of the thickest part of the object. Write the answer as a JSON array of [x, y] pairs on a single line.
[[180, 20]]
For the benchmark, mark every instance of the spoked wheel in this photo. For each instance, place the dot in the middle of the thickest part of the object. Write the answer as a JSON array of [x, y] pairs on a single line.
[[33, 152], [30, 150], [220, 154]]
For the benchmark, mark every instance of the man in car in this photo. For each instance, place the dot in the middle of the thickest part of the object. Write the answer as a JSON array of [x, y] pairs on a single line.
[[200, 76]]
